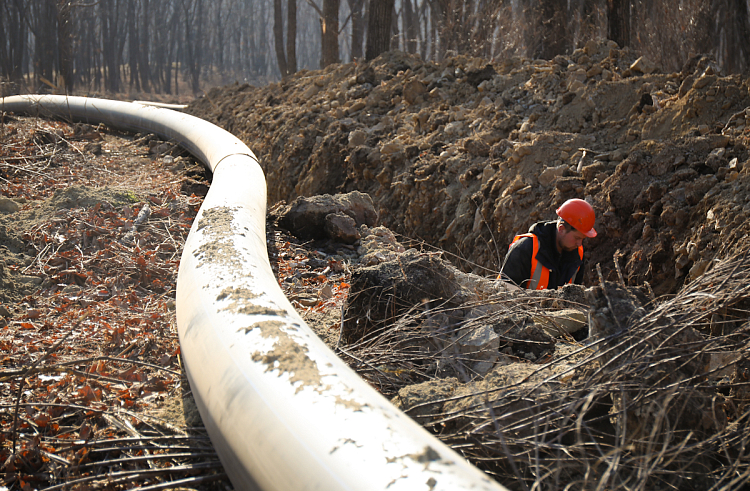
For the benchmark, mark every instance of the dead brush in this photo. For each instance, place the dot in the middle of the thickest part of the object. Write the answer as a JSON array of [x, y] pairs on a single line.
[[659, 401]]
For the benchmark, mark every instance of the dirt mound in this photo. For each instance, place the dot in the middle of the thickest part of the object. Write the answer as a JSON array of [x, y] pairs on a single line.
[[466, 153]]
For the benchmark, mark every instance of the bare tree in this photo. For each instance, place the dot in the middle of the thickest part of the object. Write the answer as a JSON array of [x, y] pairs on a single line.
[[358, 12], [278, 37], [287, 60], [618, 16], [379, 28], [554, 36], [144, 66], [12, 39], [291, 36], [133, 46], [329, 28], [411, 29]]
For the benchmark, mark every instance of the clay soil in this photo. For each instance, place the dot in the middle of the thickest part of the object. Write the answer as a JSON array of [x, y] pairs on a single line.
[[458, 157], [465, 154]]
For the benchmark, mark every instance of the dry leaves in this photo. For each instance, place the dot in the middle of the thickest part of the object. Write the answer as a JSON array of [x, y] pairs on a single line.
[[90, 351]]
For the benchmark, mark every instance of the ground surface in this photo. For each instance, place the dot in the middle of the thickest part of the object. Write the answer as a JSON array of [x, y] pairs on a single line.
[[462, 155], [91, 374], [465, 154], [457, 157]]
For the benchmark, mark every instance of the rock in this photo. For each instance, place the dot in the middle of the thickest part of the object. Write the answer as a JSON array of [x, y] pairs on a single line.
[[311, 91], [357, 138], [613, 307], [357, 106], [325, 292], [306, 217], [549, 174], [475, 77], [378, 245], [477, 147], [455, 129], [33, 280], [428, 396], [589, 172], [391, 148], [413, 90], [341, 227], [7, 205], [479, 347], [591, 47], [703, 81], [379, 295], [643, 65], [560, 322]]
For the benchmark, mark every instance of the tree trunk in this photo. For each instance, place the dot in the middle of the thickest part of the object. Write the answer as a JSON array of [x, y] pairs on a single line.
[[411, 28], [618, 22], [133, 46], [356, 7], [219, 36], [65, 44], [554, 38], [379, 28], [45, 30], [329, 28], [291, 36], [278, 38], [730, 35], [144, 66], [15, 32]]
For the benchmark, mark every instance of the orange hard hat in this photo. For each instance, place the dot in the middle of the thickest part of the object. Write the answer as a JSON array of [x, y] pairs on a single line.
[[580, 215]]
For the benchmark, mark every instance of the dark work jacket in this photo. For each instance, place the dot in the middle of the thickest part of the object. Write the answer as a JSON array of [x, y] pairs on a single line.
[[562, 267]]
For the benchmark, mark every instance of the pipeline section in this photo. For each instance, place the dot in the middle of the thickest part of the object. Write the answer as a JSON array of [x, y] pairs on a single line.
[[282, 410]]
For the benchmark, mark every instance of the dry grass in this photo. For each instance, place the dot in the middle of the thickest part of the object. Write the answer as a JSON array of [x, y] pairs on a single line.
[[660, 400]]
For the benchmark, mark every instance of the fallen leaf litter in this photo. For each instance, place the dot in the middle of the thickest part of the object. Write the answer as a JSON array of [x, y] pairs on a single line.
[[91, 234]]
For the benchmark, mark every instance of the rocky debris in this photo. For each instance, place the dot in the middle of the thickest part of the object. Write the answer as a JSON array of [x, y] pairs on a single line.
[[335, 217], [657, 374], [465, 356], [8, 205], [463, 322], [613, 308], [380, 294], [464, 153], [378, 245], [426, 398], [563, 321]]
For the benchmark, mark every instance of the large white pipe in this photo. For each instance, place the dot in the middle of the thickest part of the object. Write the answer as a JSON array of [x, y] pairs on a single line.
[[282, 410]]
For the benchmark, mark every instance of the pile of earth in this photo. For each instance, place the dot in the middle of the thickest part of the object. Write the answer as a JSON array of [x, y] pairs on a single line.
[[565, 378], [541, 387], [465, 153]]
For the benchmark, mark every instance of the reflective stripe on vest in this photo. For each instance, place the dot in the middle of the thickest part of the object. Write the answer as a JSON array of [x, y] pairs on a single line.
[[539, 273]]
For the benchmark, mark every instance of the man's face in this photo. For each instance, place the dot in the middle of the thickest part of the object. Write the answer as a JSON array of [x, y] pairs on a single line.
[[568, 240]]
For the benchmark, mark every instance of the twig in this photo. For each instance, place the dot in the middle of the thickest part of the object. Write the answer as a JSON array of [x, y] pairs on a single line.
[[136, 475], [60, 367], [148, 458], [54, 348], [616, 258], [187, 482]]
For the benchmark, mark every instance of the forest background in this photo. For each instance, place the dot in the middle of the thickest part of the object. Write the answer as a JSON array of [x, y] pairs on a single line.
[[182, 47]]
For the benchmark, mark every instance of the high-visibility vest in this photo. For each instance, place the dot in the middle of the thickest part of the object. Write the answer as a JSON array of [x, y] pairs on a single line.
[[539, 273]]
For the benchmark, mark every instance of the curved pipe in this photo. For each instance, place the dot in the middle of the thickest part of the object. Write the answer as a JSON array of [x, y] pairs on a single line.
[[283, 411]]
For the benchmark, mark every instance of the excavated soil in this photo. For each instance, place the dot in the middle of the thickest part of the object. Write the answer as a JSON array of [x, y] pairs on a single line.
[[465, 153], [576, 386]]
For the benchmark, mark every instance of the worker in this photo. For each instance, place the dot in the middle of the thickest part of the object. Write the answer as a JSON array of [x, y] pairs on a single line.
[[551, 254]]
